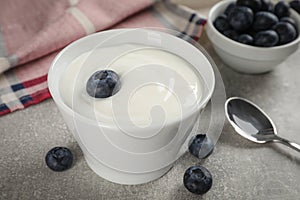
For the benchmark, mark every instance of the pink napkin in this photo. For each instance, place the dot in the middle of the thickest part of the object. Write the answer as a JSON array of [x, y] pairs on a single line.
[[33, 32]]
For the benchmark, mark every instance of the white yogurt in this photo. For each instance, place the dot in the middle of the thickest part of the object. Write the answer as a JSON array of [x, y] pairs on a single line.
[[155, 85]]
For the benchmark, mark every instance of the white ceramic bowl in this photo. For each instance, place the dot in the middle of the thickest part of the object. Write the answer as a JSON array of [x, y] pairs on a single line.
[[246, 58], [100, 142]]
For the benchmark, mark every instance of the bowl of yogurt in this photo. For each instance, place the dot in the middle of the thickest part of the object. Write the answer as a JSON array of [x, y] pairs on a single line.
[[135, 135]]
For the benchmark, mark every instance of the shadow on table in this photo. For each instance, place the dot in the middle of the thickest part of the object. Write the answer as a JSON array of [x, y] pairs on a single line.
[[77, 152], [286, 152], [178, 193], [231, 138]]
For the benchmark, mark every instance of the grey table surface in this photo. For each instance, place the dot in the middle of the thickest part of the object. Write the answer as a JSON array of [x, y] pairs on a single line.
[[240, 169]]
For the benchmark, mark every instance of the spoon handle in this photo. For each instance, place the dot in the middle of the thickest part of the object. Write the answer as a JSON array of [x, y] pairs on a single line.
[[288, 143]]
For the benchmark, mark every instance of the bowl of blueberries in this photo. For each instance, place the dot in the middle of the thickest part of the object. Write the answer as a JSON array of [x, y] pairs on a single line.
[[254, 36]]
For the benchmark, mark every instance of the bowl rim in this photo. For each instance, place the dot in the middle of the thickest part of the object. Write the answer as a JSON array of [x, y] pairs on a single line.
[[58, 98], [224, 3]]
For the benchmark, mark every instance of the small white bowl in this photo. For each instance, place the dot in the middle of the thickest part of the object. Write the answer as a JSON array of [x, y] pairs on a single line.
[[246, 58], [100, 141]]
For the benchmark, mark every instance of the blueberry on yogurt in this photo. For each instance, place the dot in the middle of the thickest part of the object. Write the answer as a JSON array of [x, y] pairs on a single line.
[[197, 179], [59, 159], [103, 84]]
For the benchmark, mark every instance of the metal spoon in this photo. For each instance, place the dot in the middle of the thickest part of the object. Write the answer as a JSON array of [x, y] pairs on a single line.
[[253, 123]]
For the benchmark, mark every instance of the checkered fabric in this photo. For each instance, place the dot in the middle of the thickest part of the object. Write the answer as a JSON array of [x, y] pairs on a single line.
[[33, 32]]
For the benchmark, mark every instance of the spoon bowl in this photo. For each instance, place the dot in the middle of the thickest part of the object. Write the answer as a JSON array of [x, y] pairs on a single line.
[[252, 122]]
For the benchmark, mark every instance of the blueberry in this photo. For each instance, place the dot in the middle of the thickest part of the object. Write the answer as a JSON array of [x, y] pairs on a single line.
[[286, 32], [103, 84], [266, 5], [232, 34], [221, 23], [266, 38], [197, 179], [289, 20], [282, 9], [255, 5], [245, 39], [229, 8], [295, 4], [264, 20], [240, 18], [59, 159], [201, 146]]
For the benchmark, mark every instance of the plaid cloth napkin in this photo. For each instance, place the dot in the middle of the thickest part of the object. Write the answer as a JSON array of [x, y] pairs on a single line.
[[33, 32]]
